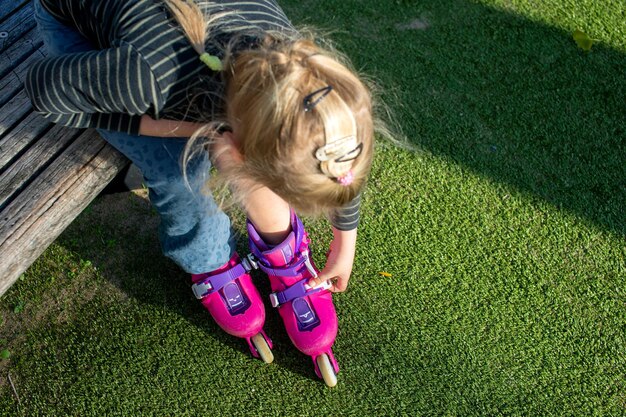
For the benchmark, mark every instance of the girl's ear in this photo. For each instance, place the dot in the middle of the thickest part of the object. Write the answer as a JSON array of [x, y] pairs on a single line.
[[234, 139], [225, 152]]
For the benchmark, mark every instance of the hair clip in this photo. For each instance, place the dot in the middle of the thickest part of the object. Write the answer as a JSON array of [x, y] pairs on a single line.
[[341, 146], [308, 100], [352, 155]]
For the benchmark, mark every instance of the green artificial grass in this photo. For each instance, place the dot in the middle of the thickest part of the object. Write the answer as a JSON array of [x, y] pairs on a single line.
[[504, 234]]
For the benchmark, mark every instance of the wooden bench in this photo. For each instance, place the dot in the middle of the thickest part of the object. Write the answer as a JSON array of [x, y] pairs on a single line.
[[48, 173]]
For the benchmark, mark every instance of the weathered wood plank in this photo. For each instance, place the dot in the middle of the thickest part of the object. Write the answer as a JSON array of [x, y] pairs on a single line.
[[20, 50], [16, 25], [33, 161], [44, 183], [11, 83], [50, 203], [21, 137], [9, 6], [13, 111]]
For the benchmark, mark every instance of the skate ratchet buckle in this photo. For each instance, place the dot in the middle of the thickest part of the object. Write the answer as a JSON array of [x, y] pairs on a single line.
[[216, 282], [297, 295], [297, 290]]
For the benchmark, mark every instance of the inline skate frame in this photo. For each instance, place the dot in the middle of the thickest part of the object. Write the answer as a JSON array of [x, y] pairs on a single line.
[[308, 313], [235, 304]]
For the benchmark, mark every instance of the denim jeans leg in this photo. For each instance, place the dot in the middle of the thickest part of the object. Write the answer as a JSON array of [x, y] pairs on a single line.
[[58, 38], [194, 233]]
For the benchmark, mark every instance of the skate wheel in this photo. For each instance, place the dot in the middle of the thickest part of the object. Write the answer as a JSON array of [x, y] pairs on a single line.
[[326, 369], [263, 349]]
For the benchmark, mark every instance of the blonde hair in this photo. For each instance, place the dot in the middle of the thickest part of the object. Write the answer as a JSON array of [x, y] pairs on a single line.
[[266, 88]]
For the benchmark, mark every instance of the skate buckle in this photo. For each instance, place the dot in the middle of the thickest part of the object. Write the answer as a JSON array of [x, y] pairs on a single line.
[[309, 265], [305, 315], [212, 283], [234, 298], [201, 289], [274, 300], [249, 263], [325, 285], [299, 289]]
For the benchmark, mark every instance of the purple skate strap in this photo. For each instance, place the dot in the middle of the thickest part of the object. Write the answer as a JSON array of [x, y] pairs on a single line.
[[297, 290], [286, 271], [216, 282], [298, 228], [255, 239]]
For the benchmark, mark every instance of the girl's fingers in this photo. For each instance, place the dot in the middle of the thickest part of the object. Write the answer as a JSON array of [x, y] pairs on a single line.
[[314, 282], [338, 284]]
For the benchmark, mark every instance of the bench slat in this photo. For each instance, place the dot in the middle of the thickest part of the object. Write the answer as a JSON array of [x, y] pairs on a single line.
[[33, 161], [11, 83], [20, 50], [14, 110], [31, 222], [16, 25], [8, 6], [21, 137], [48, 174]]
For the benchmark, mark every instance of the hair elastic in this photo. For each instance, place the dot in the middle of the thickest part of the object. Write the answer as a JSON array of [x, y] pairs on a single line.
[[346, 179], [211, 61]]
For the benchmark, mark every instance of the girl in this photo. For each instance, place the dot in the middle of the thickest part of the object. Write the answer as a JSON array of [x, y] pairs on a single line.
[[289, 129]]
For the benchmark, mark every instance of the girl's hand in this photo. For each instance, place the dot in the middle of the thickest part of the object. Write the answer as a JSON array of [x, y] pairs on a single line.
[[164, 128], [339, 261]]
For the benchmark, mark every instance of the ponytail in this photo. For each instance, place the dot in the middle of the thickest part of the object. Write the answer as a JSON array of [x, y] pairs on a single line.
[[192, 21]]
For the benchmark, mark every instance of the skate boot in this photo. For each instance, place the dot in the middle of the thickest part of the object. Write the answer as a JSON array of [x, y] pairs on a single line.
[[235, 304], [308, 313]]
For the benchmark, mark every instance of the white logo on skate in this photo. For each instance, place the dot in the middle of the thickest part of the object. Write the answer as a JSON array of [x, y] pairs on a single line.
[[234, 300], [305, 317]]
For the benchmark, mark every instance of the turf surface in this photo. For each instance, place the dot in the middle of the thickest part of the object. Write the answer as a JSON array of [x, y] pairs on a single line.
[[504, 234]]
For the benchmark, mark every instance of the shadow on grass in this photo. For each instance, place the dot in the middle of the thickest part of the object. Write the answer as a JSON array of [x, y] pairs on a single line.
[[509, 98], [118, 234], [512, 99]]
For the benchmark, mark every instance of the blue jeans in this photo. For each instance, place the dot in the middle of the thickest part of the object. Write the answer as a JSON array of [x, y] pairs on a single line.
[[193, 232]]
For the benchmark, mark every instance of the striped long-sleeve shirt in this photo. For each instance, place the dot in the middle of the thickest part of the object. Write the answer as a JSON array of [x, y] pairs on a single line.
[[143, 64]]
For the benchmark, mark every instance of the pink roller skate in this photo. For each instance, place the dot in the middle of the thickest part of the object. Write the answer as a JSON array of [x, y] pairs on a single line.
[[235, 304], [308, 313]]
